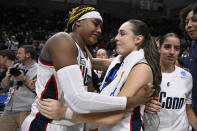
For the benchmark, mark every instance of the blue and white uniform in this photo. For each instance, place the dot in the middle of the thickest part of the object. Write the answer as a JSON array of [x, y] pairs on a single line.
[[176, 88], [114, 80]]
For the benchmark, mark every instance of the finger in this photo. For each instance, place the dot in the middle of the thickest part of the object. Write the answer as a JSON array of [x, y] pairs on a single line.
[[42, 110], [155, 102], [155, 107], [150, 112], [49, 100], [45, 114], [43, 105]]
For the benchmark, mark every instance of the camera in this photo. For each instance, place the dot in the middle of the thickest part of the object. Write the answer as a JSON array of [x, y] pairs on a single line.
[[15, 71]]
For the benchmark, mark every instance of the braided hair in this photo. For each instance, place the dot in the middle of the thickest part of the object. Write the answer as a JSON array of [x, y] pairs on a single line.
[[75, 14]]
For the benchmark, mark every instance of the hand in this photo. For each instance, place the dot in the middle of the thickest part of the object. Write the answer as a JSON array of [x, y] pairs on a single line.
[[20, 77], [145, 93], [31, 84], [153, 106], [8, 75], [51, 109]]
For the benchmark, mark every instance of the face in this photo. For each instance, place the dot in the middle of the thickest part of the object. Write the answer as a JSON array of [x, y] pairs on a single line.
[[90, 29], [101, 54], [191, 25], [169, 51], [125, 39], [3, 60], [21, 55]]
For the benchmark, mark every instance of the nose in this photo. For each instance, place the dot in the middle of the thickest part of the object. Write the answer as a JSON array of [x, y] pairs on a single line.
[[116, 38], [189, 24], [172, 51], [17, 56], [99, 30]]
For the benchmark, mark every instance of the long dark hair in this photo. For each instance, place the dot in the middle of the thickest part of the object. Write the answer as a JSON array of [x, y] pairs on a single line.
[[182, 16], [164, 37], [150, 49]]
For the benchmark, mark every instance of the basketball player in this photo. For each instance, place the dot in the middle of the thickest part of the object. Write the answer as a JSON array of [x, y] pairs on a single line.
[[134, 67], [64, 74], [174, 106]]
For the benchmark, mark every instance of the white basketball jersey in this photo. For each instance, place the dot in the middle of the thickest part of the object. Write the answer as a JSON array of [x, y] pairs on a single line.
[[175, 93], [47, 85]]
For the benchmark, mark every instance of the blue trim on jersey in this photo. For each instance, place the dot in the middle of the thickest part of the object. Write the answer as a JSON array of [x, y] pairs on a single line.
[[44, 62], [111, 75], [136, 122]]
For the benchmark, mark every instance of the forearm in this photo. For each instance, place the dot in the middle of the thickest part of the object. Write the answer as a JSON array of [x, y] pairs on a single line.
[[101, 64], [102, 118], [192, 118], [6, 81], [76, 96]]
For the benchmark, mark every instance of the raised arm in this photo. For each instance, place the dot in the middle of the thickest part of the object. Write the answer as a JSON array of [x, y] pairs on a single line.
[[64, 56], [100, 64]]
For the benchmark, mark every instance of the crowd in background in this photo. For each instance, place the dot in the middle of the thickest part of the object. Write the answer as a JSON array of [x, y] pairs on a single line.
[[35, 26], [21, 26]]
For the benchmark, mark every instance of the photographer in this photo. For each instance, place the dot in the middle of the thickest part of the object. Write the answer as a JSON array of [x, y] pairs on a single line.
[[20, 80], [7, 59]]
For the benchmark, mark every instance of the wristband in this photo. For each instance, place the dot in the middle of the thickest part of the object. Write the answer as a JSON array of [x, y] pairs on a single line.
[[68, 114]]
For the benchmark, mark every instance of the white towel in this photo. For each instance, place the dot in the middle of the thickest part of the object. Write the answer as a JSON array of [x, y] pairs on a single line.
[[113, 88]]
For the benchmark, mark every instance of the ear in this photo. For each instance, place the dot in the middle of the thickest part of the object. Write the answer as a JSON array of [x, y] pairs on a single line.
[[28, 55], [139, 39], [77, 23]]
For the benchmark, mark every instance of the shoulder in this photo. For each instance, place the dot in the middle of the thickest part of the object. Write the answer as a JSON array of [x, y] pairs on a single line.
[[142, 67], [142, 71], [183, 73], [62, 41], [59, 38]]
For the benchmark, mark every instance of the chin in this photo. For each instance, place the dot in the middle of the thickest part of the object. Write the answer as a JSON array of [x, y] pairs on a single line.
[[194, 37], [91, 42]]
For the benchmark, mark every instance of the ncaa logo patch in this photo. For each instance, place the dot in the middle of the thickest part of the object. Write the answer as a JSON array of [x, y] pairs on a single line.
[[183, 73]]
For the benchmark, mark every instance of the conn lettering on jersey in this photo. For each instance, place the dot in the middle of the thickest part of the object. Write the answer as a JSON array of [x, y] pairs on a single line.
[[170, 102]]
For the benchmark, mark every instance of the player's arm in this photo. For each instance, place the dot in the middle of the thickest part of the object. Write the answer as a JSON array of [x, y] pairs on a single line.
[[134, 87], [64, 56], [139, 76], [192, 118], [100, 64]]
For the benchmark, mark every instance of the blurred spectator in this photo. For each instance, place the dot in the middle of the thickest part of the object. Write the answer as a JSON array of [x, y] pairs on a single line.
[[188, 17], [7, 58], [19, 81], [12, 44]]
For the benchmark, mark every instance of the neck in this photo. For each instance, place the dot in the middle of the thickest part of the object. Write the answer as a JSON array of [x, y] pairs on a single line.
[[166, 68], [77, 38], [28, 62]]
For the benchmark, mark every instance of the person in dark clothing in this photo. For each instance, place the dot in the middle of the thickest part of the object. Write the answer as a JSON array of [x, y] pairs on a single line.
[[188, 18]]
